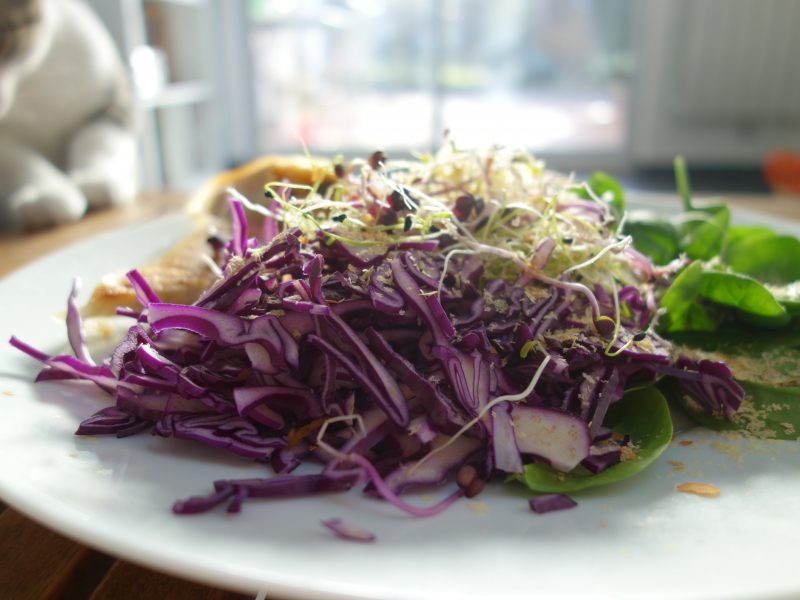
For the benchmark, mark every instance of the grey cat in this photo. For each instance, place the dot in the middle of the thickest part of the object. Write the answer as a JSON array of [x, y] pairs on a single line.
[[66, 115]]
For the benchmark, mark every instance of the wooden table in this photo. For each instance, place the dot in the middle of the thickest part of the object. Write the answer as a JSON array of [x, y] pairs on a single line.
[[39, 564]]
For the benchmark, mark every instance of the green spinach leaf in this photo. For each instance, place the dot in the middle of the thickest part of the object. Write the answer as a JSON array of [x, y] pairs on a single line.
[[683, 311], [682, 183], [791, 306], [744, 234], [644, 415], [745, 294], [702, 228], [773, 259], [656, 238], [703, 231], [608, 189], [767, 357], [767, 412]]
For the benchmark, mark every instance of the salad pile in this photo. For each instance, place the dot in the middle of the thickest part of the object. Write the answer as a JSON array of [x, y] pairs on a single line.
[[465, 317]]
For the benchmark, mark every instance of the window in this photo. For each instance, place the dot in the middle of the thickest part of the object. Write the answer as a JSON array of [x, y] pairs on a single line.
[[714, 79], [358, 74]]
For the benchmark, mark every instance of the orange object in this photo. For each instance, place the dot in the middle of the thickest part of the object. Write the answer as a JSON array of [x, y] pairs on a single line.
[[782, 171]]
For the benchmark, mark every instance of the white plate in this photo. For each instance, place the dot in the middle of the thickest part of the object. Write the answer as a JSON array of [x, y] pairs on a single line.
[[638, 539]]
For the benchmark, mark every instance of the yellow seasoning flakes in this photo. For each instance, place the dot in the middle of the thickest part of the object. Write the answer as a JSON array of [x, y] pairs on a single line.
[[677, 465], [706, 490]]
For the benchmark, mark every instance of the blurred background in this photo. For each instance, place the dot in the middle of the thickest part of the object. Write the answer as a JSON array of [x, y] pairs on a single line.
[[586, 84]]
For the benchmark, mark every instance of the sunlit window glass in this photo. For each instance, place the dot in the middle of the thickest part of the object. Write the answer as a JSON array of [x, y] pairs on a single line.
[[356, 74]]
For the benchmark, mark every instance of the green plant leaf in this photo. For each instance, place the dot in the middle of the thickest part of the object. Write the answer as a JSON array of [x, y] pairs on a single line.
[[772, 259], [682, 183], [743, 234], [768, 357], [656, 238], [767, 412], [703, 231], [608, 189], [644, 415], [703, 228], [788, 296], [792, 306], [745, 294], [683, 311]]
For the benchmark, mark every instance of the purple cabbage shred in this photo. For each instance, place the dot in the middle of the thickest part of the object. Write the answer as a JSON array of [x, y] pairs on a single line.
[[300, 334], [551, 502]]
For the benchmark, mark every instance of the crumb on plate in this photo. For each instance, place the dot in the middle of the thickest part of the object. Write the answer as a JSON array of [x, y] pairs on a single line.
[[477, 507], [677, 466], [706, 490]]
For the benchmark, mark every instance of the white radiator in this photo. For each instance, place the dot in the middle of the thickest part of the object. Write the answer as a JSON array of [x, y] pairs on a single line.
[[717, 80]]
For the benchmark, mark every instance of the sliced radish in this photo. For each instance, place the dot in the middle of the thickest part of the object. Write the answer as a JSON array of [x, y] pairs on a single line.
[[561, 438]]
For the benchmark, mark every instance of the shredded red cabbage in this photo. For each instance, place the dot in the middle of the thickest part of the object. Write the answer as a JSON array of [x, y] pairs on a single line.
[[390, 368], [550, 502]]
